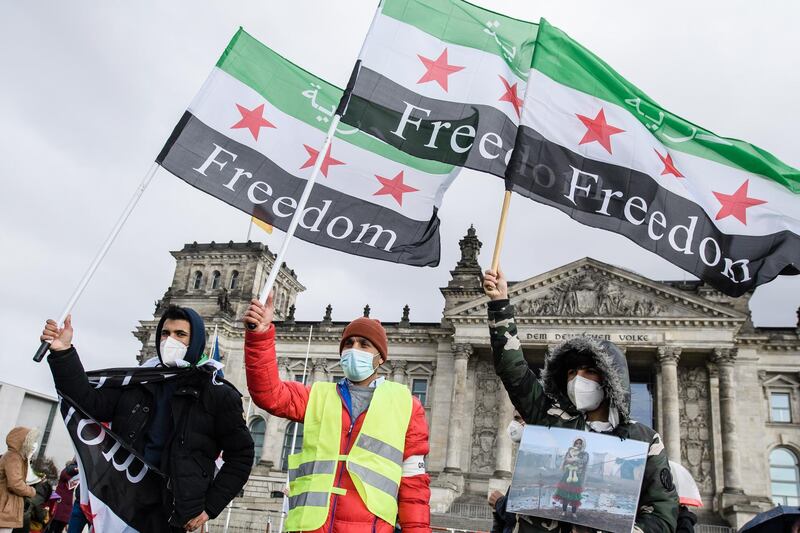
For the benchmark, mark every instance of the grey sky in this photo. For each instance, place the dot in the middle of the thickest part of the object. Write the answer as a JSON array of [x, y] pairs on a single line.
[[91, 90]]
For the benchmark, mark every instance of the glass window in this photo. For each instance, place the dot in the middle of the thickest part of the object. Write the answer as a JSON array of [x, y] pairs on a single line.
[[784, 478], [257, 429], [234, 279], [336, 378], [779, 407], [419, 388], [642, 403], [287, 443], [215, 279], [198, 280], [299, 378]]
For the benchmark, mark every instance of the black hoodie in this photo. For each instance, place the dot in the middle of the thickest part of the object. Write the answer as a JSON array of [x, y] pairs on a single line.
[[161, 425], [197, 336]]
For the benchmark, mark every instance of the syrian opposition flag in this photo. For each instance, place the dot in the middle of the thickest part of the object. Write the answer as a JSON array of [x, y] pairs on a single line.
[[252, 136], [596, 147], [119, 491], [443, 80]]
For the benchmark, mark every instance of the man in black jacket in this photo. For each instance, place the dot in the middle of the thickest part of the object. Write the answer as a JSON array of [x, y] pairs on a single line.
[[180, 425]]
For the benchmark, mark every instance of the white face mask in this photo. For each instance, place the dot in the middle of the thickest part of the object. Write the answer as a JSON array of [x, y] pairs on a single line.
[[515, 431], [585, 394], [173, 352]]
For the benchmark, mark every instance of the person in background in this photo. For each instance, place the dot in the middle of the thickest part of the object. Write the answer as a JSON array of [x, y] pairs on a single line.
[[36, 515], [21, 443], [63, 508]]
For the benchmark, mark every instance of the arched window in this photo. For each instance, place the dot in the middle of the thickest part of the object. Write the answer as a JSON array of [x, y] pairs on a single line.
[[234, 279], [257, 429], [198, 280], [287, 443], [783, 476], [215, 279]]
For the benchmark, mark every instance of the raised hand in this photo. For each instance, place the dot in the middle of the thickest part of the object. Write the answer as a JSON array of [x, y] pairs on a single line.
[[495, 285], [59, 338], [259, 314]]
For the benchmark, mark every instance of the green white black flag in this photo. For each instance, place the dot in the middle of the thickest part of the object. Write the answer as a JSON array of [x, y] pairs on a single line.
[[251, 138], [443, 80], [596, 147]]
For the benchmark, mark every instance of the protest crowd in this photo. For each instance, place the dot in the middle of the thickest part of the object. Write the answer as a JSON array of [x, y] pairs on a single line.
[[165, 446]]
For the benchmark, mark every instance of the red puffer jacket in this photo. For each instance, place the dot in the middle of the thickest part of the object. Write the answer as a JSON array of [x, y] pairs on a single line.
[[288, 399]]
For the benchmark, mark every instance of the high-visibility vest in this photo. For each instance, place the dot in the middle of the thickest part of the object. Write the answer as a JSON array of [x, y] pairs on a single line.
[[375, 461]]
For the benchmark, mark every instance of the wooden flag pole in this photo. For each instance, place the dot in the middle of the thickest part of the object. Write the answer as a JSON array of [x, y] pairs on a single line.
[[100, 255], [276, 266], [501, 231]]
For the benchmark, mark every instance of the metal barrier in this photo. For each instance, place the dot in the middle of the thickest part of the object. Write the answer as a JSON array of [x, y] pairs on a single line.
[[707, 528], [471, 510]]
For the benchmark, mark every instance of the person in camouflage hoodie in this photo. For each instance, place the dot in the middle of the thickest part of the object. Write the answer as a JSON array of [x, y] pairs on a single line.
[[594, 375]]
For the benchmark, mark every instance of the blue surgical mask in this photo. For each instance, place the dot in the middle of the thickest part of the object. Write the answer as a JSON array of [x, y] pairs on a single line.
[[357, 364]]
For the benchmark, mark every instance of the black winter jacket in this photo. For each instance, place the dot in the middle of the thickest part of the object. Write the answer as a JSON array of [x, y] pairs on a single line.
[[207, 419]]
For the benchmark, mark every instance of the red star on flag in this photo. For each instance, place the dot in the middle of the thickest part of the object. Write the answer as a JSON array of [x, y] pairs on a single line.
[[736, 204], [438, 69], [394, 187], [669, 166], [511, 95], [252, 119], [597, 129], [326, 163]]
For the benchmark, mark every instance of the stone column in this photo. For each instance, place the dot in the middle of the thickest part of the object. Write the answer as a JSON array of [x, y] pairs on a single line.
[[398, 371], [320, 370], [266, 451], [455, 428], [725, 358], [503, 444], [668, 357]]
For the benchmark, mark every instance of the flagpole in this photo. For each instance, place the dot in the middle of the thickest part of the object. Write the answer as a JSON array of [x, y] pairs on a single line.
[[501, 231], [276, 266], [294, 436], [100, 255], [249, 229]]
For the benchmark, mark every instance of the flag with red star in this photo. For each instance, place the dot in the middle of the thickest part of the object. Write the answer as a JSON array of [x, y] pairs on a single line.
[[253, 134], [596, 147], [442, 80]]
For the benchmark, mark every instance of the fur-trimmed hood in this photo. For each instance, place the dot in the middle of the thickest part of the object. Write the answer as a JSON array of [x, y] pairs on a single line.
[[21, 440], [609, 360]]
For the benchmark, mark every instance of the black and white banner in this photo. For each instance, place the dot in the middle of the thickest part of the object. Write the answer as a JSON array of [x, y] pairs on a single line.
[[119, 492]]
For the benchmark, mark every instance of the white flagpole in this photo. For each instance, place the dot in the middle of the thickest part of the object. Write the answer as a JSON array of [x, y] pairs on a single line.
[[100, 255], [276, 267], [249, 228], [294, 436]]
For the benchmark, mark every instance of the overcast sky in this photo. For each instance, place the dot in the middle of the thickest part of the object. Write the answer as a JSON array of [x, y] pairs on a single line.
[[90, 91]]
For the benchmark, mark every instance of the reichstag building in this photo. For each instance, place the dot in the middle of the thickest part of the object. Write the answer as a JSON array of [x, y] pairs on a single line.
[[724, 395]]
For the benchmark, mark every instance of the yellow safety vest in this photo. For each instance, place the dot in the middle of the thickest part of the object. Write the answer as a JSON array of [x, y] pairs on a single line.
[[375, 462]]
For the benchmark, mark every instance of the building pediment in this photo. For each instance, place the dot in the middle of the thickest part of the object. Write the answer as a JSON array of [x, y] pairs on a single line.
[[591, 289], [780, 380]]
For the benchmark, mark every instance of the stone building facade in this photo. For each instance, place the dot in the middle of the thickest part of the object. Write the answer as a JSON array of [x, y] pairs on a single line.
[[724, 394]]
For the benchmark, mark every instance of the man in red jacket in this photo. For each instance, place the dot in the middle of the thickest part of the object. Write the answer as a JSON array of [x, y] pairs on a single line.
[[373, 480]]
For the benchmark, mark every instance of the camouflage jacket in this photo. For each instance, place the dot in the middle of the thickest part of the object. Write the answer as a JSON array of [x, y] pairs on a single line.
[[544, 402]]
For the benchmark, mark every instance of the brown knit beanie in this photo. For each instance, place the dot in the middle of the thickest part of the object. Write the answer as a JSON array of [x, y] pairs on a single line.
[[369, 329]]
